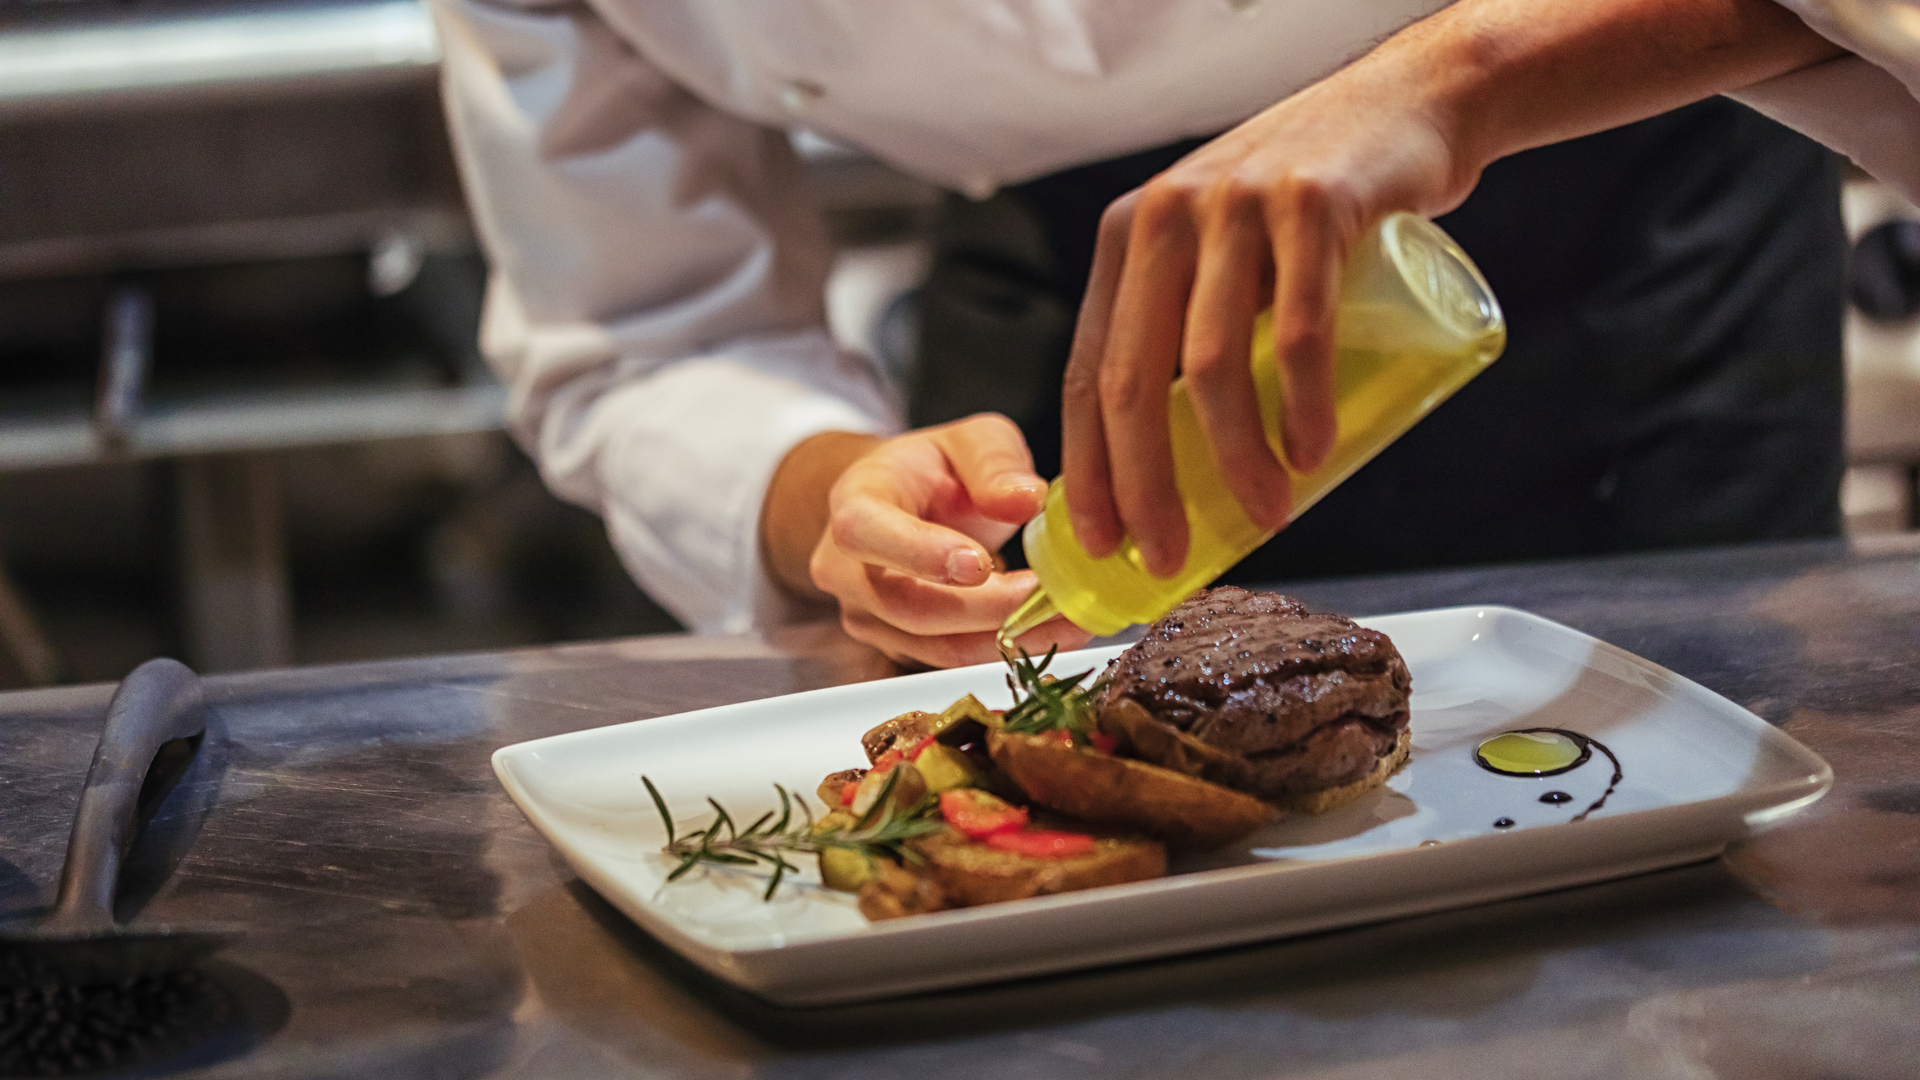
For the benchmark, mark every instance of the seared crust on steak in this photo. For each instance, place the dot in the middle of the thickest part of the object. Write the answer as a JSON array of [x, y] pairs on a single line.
[[1252, 691], [1319, 802]]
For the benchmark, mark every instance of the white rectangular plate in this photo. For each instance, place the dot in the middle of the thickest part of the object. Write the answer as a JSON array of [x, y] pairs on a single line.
[[1699, 771]]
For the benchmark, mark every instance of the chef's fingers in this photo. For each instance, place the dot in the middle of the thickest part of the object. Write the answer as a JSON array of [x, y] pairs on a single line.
[[1143, 350], [1309, 250], [1228, 288], [956, 650], [918, 607], [990, 456], [869, 525], [1084, 463]]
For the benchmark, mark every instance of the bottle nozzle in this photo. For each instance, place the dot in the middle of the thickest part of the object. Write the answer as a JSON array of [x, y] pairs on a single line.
[[1036, 609]]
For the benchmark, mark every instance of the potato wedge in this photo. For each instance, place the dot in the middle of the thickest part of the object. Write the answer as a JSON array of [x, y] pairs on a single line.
[[1142, 735], [1108, 790]]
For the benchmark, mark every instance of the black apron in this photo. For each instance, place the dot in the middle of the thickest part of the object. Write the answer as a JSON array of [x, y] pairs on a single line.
[[1673, 292]]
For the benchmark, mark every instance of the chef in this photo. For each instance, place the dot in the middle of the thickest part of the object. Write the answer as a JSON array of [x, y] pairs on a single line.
[[656, 299]]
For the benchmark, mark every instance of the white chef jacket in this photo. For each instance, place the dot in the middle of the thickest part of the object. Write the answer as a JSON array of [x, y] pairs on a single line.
[[658, 266]]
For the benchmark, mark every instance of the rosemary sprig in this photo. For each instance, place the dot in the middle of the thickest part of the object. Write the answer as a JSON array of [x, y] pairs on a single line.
[[880, 832], [1043, 704]]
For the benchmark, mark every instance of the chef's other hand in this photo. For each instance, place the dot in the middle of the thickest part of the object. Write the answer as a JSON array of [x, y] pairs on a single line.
[[1264, 214], [904, 539]]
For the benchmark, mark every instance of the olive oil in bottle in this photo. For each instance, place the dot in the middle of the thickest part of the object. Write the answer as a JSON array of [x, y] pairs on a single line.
[[1415, 322]]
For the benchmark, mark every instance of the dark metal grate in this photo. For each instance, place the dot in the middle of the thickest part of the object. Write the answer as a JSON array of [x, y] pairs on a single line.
[[57, 1030]]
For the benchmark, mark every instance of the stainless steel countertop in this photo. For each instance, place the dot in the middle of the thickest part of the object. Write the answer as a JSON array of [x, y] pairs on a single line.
[[401, 919]]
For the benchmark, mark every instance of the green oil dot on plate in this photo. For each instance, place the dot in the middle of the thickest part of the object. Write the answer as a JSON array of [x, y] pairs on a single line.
[[1530, 753]]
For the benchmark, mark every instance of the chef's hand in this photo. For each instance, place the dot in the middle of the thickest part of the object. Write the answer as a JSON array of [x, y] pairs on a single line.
[[901, 534], [1266, 214], [1263, 215]]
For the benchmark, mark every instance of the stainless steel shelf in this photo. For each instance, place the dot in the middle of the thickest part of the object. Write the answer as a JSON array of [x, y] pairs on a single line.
[[91, 58], [232, 423]]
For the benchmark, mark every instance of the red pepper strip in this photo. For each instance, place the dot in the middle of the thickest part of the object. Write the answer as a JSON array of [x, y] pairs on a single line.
[[920, 747], [895, 756], [979, 814], [1103, 742], [1042, 843], [848, 791]]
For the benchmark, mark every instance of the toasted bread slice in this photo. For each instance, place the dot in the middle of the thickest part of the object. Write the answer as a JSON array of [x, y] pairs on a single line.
[[1107, 790], [1319, 802], [970, 873], [953, 871]]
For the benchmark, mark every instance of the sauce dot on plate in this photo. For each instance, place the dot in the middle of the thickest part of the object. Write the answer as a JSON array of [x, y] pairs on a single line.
[[1532, 753], [1504, 823], [1556, 797]]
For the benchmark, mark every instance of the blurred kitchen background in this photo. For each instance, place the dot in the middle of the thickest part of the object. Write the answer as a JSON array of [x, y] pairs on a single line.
[[242, 417]]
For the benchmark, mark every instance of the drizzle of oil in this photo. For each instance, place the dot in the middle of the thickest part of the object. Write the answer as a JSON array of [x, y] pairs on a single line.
[[1545, 751], [1533, 752]]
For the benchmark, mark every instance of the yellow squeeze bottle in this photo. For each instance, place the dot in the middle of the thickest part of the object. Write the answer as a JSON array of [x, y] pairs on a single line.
[[1415, 322]]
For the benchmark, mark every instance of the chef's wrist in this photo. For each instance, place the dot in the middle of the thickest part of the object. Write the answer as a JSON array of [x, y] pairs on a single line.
[[795, 512], [1496, 77], [1445, 74]]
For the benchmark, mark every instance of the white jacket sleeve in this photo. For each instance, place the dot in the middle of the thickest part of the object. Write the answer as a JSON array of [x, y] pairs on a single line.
[[1862, 105], [656, 301], [1854, 107]]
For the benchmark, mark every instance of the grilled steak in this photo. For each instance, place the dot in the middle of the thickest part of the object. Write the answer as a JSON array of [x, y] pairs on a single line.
[[1281, 702]]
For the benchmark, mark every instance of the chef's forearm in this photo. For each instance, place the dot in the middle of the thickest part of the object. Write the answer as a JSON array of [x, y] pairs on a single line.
[[1501, 76]]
